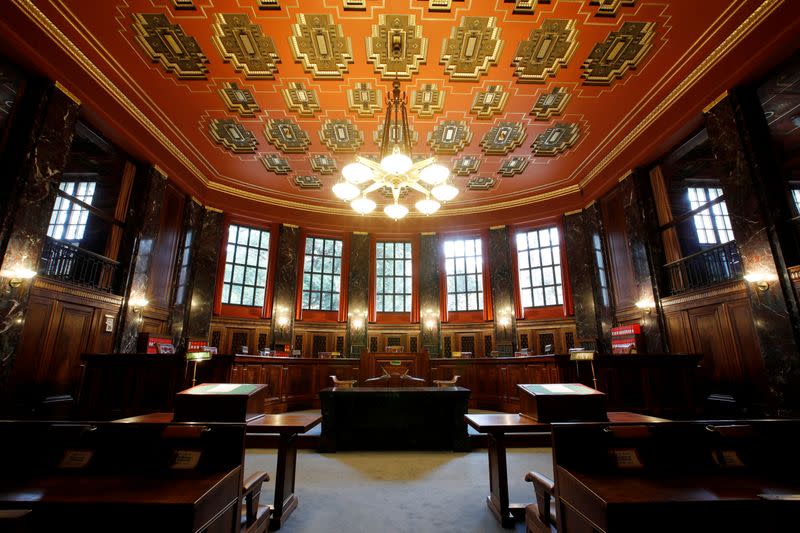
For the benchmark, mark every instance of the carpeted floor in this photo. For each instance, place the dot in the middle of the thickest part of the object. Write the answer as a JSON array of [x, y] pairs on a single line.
[[388, 492]]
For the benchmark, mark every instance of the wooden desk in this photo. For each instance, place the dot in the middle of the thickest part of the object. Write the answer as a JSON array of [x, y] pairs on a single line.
[[498, 426], [287, 426]]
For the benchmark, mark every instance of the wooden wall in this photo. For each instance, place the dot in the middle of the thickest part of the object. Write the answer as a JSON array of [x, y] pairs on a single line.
[[620, 262]]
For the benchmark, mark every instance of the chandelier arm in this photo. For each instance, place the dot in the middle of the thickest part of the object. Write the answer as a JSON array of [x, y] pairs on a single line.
[[419, 165], [374, 187], [387, 127], [396, 193], [419, 188], [370, 163], [405, 130]]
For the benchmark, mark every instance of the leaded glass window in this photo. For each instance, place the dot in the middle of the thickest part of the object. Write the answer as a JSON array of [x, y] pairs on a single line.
[[246, 257]]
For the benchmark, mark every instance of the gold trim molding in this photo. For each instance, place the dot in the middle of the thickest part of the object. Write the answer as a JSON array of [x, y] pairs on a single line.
[[68, 93], [46, 284], [716, 100]]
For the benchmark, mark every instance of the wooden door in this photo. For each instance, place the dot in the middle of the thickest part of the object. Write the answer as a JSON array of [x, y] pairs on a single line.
[[61, 364]]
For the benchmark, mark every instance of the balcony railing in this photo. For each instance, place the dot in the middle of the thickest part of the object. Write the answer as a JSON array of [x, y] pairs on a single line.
[[702, 269], [66, 262]]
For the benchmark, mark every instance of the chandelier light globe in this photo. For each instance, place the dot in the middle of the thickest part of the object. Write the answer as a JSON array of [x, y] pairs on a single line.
[[444, 192], [428, 206], [396, 163], [363, 205], [346, 191], [395, 211], [357, 173], [434, 174]]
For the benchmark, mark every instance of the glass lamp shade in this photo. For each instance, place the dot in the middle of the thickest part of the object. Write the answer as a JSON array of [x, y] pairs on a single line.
[[363, 205], [395, 211], [346, 191], [357, 173], [428, 206], [396, 163], [444, 192], [434, 174]]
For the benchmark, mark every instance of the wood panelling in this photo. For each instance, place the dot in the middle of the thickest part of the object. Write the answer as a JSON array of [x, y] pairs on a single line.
[[612, 207], [166, 248]]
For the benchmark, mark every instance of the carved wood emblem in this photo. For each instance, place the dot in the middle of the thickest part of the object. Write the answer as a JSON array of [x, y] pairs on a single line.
[[609, 8], [550, 104], [364, 100], [547, 49], [449, 137], [503, 138], [622, 50], [320, 46], [302, 101], [239, 100], [466, 165], [244, 45], [472, 48], [323, 163], [427, 101], [481, 184], [396, 47], [341, 135], [489, 102], [307, 182], [285, 135], [167, 44], [512, 166], [275, 163], [556, 139], [233, 135]]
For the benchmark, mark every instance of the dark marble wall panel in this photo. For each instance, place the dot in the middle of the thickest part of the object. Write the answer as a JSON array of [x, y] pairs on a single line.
[[31, 170], [358, 293], [204, 276], [774, 309], [285, 292], [501, 273], [430, 319], [185, 268], [138, 247]]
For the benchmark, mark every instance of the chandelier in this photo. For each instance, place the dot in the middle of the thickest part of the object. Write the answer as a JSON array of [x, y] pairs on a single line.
[[396, 170]]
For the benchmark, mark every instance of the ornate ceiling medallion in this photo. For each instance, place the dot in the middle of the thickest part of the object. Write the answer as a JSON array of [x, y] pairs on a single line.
[[268, 4], [167, 44], [183, 4], [239, 100], [302, 101], [550, 104], [609, 8], [512, 166], [503, 138], [364, 100], [244, 45], [354, 5], [275, 163], [449, 137], [395, 136], [464, 166], [489, 102], [307, 182], [320, 45], [323, 163], [441, 5], [396, 47], [547, 49], [427, 101], [341, 135], [232, 135], [481, 184], [526, 7], [472, 48], [556, 139], [285, 135], [622, 50]]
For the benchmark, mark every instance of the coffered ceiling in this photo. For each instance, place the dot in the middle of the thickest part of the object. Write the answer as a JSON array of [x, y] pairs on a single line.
[[537, 106]]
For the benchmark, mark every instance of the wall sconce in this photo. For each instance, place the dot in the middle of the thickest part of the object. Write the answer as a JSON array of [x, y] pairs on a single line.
[[760, 279], [17, 275], [357, 318], [430, 318], [282, 317], [137, 303], [646, 305]]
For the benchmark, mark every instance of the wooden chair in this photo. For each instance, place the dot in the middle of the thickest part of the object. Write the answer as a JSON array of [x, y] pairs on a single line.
[[343, 383], [446, 382], [255, 515], [540, 517]]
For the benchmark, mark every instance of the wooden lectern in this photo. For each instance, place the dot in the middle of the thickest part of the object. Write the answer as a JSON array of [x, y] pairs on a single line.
[[220, 402], [562, 402]]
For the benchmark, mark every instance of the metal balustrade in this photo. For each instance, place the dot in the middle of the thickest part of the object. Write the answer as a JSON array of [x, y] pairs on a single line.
[[705, 268], [66, 262]]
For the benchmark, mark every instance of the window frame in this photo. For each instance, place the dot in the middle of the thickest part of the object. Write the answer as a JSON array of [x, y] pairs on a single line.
[[711, 213], [68, 198], [234, 264], [319, 314], [558, 270], [485, 313], [407, 276]]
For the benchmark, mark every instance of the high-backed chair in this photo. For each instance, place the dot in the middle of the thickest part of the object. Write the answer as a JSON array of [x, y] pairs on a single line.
[[343, 383], [446, 382], [540, 517], [255, 515]]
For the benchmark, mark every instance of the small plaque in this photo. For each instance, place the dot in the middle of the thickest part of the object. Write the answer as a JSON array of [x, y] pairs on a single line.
[[727, 459], [75, 459], [185, 459], [626, 458]]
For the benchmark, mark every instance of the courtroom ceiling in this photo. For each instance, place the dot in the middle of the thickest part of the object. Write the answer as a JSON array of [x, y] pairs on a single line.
[[526, 100]]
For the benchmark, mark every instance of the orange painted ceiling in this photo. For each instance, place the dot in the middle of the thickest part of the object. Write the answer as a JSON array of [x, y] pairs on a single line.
[[663, 62]]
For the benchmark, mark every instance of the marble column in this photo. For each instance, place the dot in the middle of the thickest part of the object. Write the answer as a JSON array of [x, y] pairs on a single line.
[[137, 250], [285, 292], [429, 292], [39, 139], [748, 191], [184, 269], [501, 274], [591, 296], [646, 250], [358, 294]]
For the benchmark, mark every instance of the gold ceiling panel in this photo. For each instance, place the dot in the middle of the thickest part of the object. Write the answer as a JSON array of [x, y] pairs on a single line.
[[167, 44], [548, 48], [622, 50], [441, 5], [233, 135], [472, 48], [449, 137], [354, 5], [481, 184], [244, 45], [307, 182], [396, 135], [556, 139], [320, 46], [275, 163], [302, 101], [239, 100], [503, 138], [526, 7], [397, 47], [341, 135], [183, 4], [268, 4], [364, 100], [513, 165], [466, 165], [609, 8], [323, 163], [427, 101], [285, 135], [489, 102], [550, 104]]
